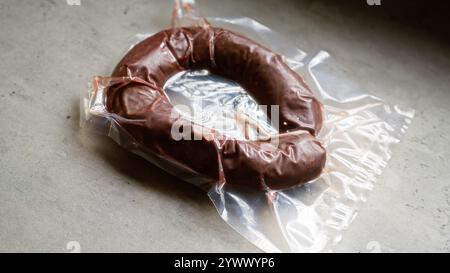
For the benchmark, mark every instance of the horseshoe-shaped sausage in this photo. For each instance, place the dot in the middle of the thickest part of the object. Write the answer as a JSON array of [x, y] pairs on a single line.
[[146, 113]]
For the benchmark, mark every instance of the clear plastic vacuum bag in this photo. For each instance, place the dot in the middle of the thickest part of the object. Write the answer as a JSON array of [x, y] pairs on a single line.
[[359, 133]]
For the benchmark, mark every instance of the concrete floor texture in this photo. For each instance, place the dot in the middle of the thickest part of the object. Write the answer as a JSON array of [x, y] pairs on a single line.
[[59, 183]]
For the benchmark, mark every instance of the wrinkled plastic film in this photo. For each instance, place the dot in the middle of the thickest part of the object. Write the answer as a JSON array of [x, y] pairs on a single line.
[[359, 133]]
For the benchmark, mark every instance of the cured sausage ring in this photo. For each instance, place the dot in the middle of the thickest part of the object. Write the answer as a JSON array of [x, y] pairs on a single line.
[[147, 114]]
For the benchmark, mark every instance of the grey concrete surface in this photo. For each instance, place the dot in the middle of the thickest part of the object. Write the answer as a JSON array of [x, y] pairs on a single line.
[[60, 184]]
